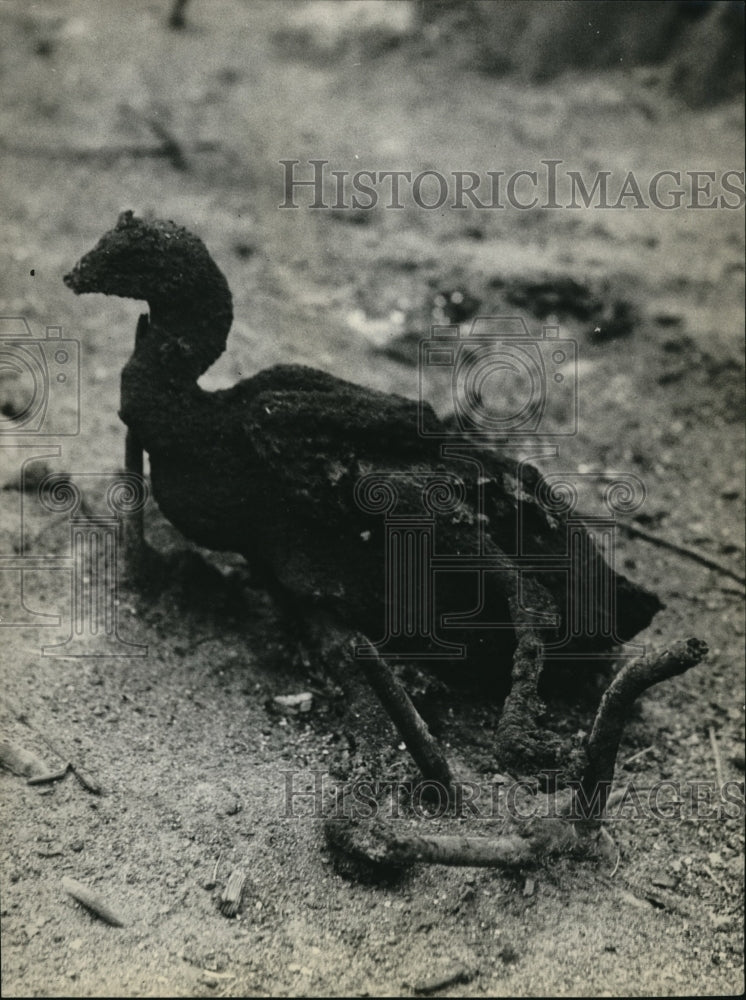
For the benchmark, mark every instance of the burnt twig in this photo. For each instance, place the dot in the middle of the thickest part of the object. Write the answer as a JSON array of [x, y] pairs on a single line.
[[683, 550], [89, 783], [716, 756], [230, 900], [50, 776], [381, 843], [171, 148], [614, 710], [409, 723], [459, 974], [110, 154], [177, 17], [91, 900], [517, 730]]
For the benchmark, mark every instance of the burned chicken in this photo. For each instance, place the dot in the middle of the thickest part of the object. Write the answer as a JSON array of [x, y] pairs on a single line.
[[293, 468]]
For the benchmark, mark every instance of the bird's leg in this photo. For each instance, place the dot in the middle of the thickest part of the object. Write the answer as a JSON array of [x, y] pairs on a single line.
[[558, 823], [358, 676], [519, 740], [381, 842], [135, 549], [134, 524], [613, 712], [409, 723]]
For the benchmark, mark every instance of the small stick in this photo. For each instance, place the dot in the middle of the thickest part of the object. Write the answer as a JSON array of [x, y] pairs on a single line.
[[108, 154], [89, 783], [615, 869], [50, 776], [683, 550], [91, 900], [230, 901], [610, 840], [616, 703], [636, 756], [458, 975], [217, 865], [381, 844], [177, 17], [715, 879], [172, 149], [410, 725], [716, 755]]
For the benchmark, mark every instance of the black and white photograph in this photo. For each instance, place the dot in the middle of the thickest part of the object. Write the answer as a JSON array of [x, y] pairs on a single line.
[[372, 498]]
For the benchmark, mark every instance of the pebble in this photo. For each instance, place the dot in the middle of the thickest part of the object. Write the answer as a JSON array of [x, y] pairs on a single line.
[[294, 704], [721, 922], [665, 881], [50, 849], [459, 974]]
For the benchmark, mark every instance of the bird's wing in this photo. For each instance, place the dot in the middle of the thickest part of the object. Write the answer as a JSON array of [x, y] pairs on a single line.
[[314, 437], [289, 409]]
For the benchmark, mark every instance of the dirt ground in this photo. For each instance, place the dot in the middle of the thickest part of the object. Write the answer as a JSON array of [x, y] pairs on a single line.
[[193, 765]]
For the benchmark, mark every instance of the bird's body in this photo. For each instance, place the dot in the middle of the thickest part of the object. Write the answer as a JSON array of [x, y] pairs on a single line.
[[272, 467]]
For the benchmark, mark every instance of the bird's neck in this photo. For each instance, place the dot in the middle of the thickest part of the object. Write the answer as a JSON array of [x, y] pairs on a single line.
[[161, 401], [193, 329]]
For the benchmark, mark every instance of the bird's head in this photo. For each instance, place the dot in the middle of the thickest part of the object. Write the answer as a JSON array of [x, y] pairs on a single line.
[[171, 269], [159, 262]]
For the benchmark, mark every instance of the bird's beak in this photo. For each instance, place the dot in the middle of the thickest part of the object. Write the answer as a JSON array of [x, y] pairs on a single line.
[[76, 281]]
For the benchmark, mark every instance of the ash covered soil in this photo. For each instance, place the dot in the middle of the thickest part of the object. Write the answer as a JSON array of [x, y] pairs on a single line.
[[194, 767]]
